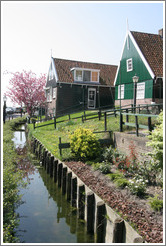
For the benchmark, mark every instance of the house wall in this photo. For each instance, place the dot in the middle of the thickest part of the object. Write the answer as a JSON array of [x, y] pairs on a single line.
[[139, 69], [72, 98]]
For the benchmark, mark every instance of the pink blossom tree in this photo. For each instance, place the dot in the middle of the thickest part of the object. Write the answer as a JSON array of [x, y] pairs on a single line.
[[25, 88]]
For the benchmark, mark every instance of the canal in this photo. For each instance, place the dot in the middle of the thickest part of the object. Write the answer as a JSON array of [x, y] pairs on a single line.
[[45, 214]]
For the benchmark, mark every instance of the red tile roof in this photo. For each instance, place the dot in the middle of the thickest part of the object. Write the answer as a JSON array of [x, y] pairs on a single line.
[[151, 46], [63, 66]]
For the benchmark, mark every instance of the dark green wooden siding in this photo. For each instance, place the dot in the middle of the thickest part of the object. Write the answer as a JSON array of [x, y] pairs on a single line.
[[139, 69]]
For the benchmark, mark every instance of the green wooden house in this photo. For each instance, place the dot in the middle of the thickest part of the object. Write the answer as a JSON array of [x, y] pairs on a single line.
[[142, 56]]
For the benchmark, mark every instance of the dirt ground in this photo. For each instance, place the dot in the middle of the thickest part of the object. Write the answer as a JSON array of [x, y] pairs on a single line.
[[133, 209]]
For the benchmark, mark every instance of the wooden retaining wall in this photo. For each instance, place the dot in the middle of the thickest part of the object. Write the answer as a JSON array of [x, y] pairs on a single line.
[[100, 219]]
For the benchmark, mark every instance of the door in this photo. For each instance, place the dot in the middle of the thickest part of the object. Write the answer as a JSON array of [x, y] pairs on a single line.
[[91, 98]]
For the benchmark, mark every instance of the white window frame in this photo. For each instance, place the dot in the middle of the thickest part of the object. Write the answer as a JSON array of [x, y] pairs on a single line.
[[140, 90], [89, 106], [80, 78], [129, 64], [121, 91], [48, 95], [85, 69], [54, 92]]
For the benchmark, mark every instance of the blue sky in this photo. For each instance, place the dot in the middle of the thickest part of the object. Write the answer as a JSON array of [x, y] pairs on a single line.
[[85, 31]]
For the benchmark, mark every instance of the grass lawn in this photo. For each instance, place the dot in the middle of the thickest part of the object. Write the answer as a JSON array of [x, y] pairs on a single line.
[[49, 136]]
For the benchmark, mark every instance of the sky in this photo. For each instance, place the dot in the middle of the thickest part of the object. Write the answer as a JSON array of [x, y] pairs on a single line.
[[32, 31]]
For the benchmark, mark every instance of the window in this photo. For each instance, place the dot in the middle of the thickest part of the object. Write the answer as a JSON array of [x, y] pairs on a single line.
[[129, 65], [94, 76], [86, 76], [48, 95], [54, 92], [120, 91], [79, 75], [140, 90]]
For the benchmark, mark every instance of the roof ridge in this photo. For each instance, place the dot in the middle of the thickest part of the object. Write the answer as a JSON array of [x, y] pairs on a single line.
[[83, 61], [145, 33]]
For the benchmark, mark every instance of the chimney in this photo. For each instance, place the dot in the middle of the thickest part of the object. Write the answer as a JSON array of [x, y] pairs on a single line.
[[160, 32]]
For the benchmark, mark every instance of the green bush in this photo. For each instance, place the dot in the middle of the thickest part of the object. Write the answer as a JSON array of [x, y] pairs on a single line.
[[156, 142], [104, 167], [121, 182], [116, 175], [155, 203], [108, 154], [84, 144]]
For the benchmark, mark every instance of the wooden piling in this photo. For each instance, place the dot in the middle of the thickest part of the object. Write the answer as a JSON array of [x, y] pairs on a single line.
[[74, 192], [59, 174], [81, 201], [64, 179], [51, 166], [118, 230], [69, 176], [55, 170], [90, 212], [101, 222]]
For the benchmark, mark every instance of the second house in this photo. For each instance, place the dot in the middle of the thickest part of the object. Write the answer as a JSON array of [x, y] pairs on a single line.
[[74, 85]]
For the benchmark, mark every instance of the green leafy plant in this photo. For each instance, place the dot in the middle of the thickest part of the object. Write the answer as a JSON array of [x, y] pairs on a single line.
[[156, 142], [121, 182], [84, 144], [104, 167], [108, 154], [155, 203], [116, 175]]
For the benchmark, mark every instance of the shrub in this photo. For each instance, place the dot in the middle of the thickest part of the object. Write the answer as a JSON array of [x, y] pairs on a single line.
[[156, 142], [121, 182], [108, 154], [155, 203], [116, 175], [104, 167], [84, 144]]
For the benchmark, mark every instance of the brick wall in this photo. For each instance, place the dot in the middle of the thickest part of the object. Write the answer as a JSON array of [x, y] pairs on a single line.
[[122, 142]]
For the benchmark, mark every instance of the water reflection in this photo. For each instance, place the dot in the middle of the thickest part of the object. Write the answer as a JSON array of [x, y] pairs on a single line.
[[45, 216]]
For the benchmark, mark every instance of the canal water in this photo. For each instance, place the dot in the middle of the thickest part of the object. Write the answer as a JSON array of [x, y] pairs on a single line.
[[45, 214]]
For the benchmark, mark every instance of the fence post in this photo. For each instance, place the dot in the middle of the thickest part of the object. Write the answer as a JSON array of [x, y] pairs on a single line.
[[64, 178], [74, 191], [54, 122], [82, 119], [34, 125], [105, 121], [69, 176], [136, 125], [60, 146], [149, 124], [81, 201], [121, 122], [99, 114]]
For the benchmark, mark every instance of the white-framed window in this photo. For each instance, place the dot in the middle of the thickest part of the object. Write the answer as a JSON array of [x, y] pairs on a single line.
[[129, 64], [54, 92], [85, 74], [120, 91], [48, 95], [140, 90], [79, 75]]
